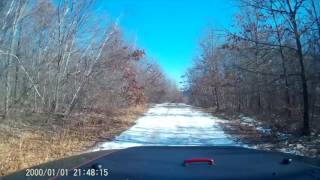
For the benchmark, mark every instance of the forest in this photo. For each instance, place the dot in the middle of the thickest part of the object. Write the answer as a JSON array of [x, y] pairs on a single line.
[[67, 79], [267, 65], [57, 58]]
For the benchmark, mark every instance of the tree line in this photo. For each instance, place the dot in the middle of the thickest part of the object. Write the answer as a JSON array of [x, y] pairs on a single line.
[[268, 64], [57, 57]]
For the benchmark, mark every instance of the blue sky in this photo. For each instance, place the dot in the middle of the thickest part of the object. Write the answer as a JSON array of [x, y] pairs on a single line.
[[168, 30]]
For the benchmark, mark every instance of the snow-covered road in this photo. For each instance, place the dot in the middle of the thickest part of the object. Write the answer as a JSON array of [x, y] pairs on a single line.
[[172, 124]]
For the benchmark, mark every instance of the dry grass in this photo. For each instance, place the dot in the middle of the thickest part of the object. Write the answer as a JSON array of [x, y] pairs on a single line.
[[28, 144], [248, 134]]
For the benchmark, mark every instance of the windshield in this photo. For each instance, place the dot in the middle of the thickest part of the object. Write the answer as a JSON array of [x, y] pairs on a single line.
[[84, 76]]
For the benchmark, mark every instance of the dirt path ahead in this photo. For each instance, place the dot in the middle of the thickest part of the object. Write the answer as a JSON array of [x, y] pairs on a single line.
[[172, 124]]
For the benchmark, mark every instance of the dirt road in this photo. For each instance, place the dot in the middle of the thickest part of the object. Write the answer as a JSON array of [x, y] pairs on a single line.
[[172, 124]]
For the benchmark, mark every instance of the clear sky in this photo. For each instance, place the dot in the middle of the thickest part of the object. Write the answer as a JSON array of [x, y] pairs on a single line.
[[168, 30]]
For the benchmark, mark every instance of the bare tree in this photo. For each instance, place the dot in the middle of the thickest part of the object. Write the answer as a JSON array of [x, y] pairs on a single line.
[[271, 54]]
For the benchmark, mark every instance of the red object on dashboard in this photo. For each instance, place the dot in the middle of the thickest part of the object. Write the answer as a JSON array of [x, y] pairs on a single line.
[[198, 160]]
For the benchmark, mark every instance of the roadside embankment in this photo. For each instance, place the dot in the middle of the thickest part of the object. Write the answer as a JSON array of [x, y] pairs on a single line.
[[33, 139]]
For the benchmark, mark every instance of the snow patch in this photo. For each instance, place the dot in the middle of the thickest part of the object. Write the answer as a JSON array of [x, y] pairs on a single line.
[[254, 123]]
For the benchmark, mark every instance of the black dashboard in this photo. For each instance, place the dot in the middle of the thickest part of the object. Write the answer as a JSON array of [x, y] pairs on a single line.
[[193, 162], [170, 163]]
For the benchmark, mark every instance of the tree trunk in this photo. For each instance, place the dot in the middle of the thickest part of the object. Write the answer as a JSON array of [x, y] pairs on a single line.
[[306, 126], [217, 98], [284, 69]]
